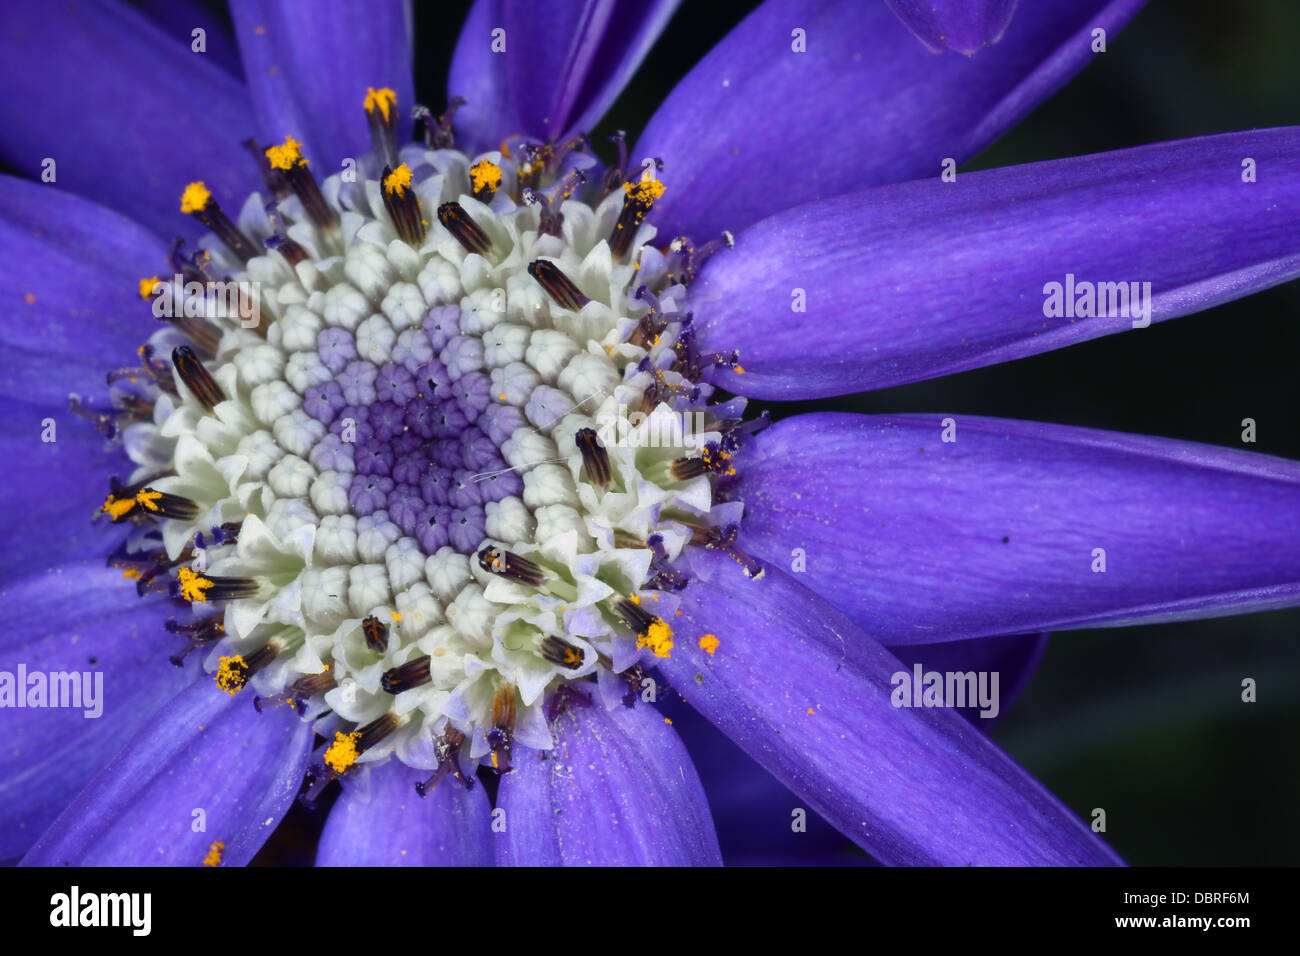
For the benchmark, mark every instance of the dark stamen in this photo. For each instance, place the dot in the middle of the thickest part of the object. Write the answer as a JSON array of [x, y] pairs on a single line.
[[511, 567], [195, 587], [557, 285], [234, 672], [275, 182], [456, 221], [197, 201], [594, 456], [403, 205], [381, 117], [376, 632], [503, 725], [196, 377], [448, 762], [288, 159], [561, 653], [638, 199], [198, 633], [484, 180], [405, 676], [437, 130]]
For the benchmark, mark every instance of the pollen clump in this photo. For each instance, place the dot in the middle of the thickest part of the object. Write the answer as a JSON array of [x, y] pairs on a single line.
[[658, 637], [195, 197], [342, 753], [397, 182], [214, 854], [146, 286], [644, 191], [117, 508], [709, 643], [232, 674], [382, 99], [147, 498], [287, 156], [485, 174], [193, 586]]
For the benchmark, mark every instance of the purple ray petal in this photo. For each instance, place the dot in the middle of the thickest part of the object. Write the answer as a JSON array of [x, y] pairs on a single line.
[[309, 64], [961, 25], [617, 789], [150, 115], [1014, 657], [756, 127], [69, 272], [928, 278], [562, 67], [997, 532], [753, 811], [80, 617], [386, 823], [808, 695], [180, 18], [52, 489], [204, 751]]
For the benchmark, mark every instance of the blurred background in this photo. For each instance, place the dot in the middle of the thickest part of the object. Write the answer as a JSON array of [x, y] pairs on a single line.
[[1145, 722]]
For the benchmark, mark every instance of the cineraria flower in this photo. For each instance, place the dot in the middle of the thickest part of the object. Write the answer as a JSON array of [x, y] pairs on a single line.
[[436, 470]]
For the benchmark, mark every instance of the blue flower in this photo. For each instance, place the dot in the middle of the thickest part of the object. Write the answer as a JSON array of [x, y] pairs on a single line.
[[438, 482]]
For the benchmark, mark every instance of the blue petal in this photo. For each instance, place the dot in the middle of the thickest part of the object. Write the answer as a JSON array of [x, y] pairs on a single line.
[[961, 25], [53, 489], [808, 695], [128, 113], [562, 67], [80, 617], [929, 278], [618, 789], [309, 63], [180, 18], [384, 822], [69, 272], [1008, 528], [756, 127], [207, 768]]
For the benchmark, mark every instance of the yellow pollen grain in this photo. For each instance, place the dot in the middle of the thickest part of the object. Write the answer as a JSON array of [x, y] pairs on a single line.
[[117, 507], [398, 180], [29, 298], [131, 573], [230, 674], [668, 721], [382, 99], [214, 854], [709, 643], [147, 498], [811, 711], [286, 156], [645, 190], [485, 174], [343, 752], [739, 370], [658, 637], [193, 586], [146, 286], [195, 197]]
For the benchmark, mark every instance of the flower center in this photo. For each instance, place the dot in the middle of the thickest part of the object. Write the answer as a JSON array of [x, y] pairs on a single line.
[[436, 431]]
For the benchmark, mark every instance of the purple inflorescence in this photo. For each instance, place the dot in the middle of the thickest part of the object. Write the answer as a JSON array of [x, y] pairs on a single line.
[[420, 433]]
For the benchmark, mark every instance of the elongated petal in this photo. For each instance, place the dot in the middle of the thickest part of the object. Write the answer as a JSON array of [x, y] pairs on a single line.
[[149, 114], [757, 127], [618, 789], [384, 822], [309, 64], [68, 278], [808, 695], [961, 25], [206, 758], [754, 812], [553, 70], [927, 278], [1006, 528], [84, 619]]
